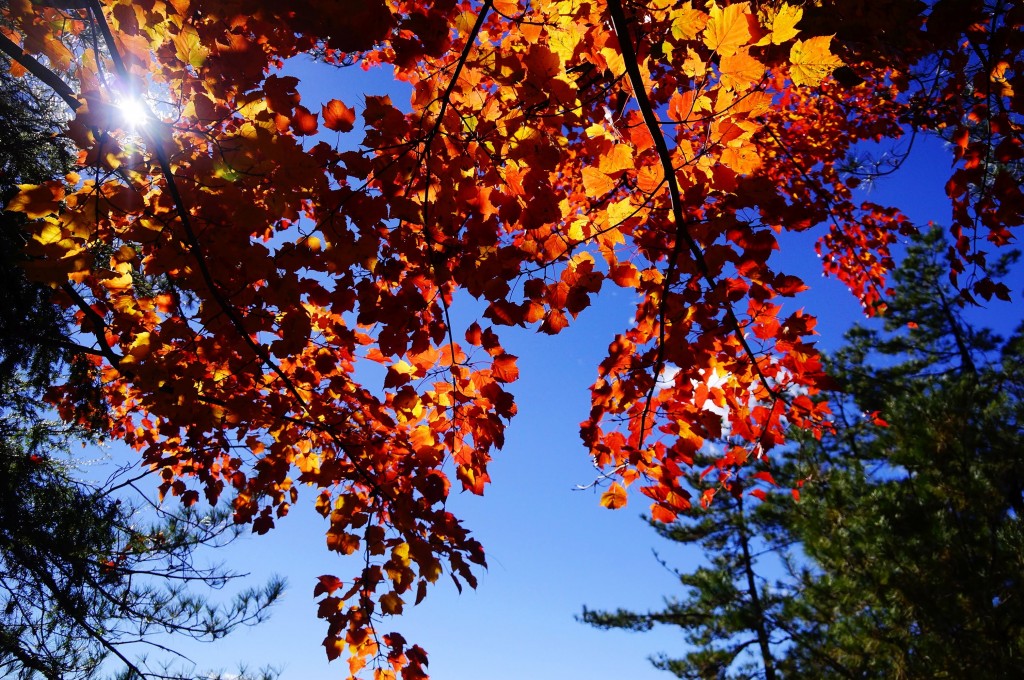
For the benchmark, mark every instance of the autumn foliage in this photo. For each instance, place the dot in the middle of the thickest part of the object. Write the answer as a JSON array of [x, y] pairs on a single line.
[[231, 266]]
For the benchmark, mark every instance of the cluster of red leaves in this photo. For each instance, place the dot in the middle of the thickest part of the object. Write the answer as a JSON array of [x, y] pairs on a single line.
[[231, 274]]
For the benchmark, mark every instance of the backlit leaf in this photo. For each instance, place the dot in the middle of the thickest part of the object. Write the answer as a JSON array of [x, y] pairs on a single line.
[[811, 61], [729, 28], [337, 116], [615, 497]]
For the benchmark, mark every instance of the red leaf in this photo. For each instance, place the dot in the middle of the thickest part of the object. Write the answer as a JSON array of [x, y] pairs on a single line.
[[303, 121], [504, 368], [338, 117], [326, 584]]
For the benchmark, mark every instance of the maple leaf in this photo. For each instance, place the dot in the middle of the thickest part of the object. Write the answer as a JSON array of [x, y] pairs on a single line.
[[729, 28], [811, 61], [740, 70], [596, 183], [504, 368], [687, 22], [37, 200], [338, 117], [781, 24], [303, 121]]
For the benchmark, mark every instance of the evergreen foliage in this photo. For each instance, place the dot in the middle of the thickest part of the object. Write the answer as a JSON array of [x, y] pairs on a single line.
[[913, 529]]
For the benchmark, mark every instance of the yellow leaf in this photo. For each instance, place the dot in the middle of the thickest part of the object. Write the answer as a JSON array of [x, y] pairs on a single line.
[[308, 463], [598, 131], [728, 29], [579, 230], [563, 39], [781, 24], [189, 47], [139, 349], [693, 66], [620, 211], [615, 497], [687, 22], [613, 57], [119, 279], [811, 61], [400, 554], [37, 200], [50, 233], [618, 159]]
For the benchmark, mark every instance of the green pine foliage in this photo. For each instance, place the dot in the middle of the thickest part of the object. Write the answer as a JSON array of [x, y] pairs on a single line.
[[727, 609], [913, 529]]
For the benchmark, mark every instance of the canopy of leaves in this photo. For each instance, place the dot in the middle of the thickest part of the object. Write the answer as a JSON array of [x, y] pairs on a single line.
[[83, 576], [231, 265]]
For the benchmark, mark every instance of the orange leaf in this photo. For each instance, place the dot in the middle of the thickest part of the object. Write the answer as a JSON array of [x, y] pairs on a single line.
[[554, 322], [504, 368], [740, 70], [337, 116], [615, 497], [618, 159], [596, 183], [625, 275], [729, 29], [662, 514], [304, 121]]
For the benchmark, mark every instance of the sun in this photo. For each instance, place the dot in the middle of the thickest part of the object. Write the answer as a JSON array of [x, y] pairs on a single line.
[[134, 111]]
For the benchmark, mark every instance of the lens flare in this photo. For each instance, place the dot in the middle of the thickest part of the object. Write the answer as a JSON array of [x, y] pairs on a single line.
[[134, 112]]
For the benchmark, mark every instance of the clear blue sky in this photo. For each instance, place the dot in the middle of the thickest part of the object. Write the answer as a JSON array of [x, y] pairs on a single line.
[[551, 549]]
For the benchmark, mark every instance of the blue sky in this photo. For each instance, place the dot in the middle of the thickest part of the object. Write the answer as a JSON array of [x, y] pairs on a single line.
[[551, 548]]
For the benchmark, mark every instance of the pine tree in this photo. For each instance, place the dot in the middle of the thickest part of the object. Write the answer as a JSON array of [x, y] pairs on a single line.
[[912, 525], [729, 611]]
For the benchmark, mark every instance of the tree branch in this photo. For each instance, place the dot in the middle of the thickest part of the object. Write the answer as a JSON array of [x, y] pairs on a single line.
[[636, 81], [49, 78]]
